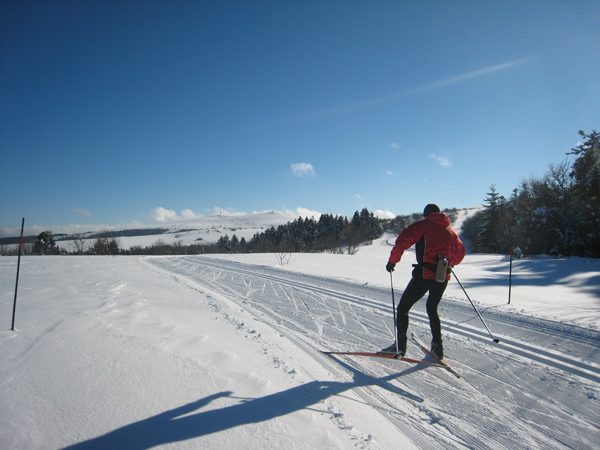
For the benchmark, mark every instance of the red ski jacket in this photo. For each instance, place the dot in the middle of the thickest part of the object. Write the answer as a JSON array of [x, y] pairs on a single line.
[[433, 236]]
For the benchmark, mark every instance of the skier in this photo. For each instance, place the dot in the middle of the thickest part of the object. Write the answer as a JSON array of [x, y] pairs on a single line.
[[437, 247]]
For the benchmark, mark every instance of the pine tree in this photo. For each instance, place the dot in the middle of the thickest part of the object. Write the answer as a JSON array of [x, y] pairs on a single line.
[[586, 188], [45, 245], [493, 234], [107, 246]]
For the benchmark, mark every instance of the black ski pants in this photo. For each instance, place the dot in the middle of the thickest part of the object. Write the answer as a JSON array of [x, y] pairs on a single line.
[[415, 290]]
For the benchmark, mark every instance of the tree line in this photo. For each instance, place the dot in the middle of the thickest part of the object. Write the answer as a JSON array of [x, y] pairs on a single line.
[[557, 214], [328, 233], [45, 244]]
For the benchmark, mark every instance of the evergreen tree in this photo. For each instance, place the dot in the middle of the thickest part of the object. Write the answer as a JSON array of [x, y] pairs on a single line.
[[586, 188], [586, 168], [234, 244], [109, 246], [223, 244], [243, 245], [113, 247], [45, 245], [558, 214], [493, 234]]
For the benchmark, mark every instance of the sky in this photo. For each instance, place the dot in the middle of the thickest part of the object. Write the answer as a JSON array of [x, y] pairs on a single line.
[[125, 112]]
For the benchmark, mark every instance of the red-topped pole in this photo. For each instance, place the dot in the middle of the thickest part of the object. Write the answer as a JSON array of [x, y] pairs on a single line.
[[18, 268]]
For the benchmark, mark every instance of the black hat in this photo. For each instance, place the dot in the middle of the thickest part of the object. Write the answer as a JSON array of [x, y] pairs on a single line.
[[431, 208]]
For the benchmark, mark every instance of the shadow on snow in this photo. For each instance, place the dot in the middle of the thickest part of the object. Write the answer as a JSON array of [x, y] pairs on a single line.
[[181, 424], [580, 272]]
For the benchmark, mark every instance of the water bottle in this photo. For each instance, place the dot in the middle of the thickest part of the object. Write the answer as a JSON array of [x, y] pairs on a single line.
[[441, 269]]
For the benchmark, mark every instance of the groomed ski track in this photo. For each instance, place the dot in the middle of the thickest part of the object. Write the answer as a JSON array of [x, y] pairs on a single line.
[[538, 388]]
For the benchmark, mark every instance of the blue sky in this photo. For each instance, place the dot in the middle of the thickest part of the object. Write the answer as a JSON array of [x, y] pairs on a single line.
[[112, 109]]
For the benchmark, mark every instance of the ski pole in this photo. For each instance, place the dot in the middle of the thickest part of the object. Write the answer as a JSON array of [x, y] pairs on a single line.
[[12, 328], [394, 313], [496, 340], [510, 275]]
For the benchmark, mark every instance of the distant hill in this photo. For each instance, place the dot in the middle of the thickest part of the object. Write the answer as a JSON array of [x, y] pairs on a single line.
[[204, 230], [199, 230]]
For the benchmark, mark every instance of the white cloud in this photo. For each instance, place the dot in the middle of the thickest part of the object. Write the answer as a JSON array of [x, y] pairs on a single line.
[[384, 214], [394, 145], [441, 160], [228, 212], [290, 213], [388, 172], [164, 215], [83, 212], [305, 212], [302, 169], [161, 214], [188, 214]]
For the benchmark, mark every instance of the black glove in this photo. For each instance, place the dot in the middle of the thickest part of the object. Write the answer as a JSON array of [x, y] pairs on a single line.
[[390, 267]]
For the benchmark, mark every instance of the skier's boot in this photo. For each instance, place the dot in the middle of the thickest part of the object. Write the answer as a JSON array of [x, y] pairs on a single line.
[[437, 349], [401, 350]]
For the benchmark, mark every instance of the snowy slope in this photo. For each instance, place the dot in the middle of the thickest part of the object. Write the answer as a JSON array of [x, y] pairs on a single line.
[[208, 229], [200, 230], [192, 352]]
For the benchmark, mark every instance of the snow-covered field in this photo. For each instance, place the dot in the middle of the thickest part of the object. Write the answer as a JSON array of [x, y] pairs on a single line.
[[223, 352], [199, 230]]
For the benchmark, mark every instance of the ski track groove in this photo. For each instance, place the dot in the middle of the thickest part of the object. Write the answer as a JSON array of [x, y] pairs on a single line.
[[494, 377], [589, 371], [520, 347], [388, 407]]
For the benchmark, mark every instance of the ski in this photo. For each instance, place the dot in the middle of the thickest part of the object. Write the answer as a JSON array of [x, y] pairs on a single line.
[[438, 361], [386, 356]]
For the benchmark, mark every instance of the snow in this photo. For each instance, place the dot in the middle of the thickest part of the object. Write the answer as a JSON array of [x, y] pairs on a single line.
[[222, 352], [209, 229], [199, 230], [566, 289]]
